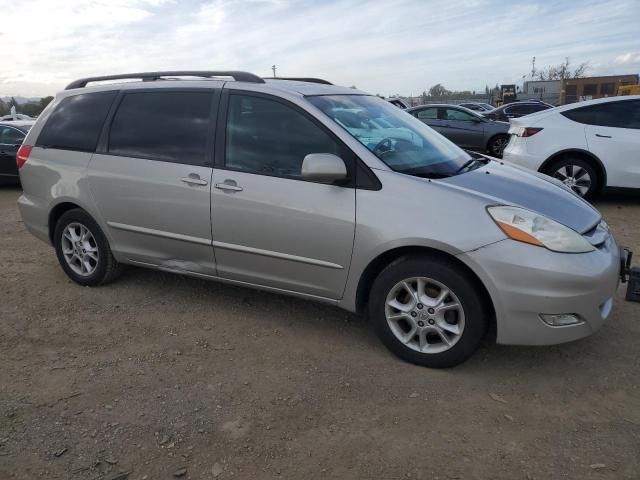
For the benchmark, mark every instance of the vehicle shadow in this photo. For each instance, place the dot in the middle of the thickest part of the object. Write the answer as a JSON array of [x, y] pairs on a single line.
[[295, 316]]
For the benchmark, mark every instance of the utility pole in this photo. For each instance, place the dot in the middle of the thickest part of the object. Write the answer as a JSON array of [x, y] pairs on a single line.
[[533, 68], [273, 67]]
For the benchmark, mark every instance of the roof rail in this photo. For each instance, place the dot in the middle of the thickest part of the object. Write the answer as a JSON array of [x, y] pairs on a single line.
[[303, 79], [151, 76]]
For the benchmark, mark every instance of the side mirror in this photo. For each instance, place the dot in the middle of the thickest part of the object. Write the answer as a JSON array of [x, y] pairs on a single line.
[[477, 120], [323, 167]]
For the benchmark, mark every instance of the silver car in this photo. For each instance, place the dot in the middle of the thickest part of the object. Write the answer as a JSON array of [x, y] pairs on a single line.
[[464, 127], [317, 191]]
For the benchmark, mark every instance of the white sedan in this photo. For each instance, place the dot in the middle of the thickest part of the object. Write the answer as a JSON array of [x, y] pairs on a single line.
[[588, 146]]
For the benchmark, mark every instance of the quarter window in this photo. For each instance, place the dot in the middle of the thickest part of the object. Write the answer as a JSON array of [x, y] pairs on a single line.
[[267, 137], [162, 125], [623, 114], [76, 122]]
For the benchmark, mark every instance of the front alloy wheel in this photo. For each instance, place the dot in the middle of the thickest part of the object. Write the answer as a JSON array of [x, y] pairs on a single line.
[[429, 310], [425, 315]]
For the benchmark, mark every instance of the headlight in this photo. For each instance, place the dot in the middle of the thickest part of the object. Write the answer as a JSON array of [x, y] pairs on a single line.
[[529, 227]]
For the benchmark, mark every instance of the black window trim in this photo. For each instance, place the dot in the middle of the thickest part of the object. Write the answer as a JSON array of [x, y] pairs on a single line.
[[586, 107], [352, 162], [103, 142], [11, 127]]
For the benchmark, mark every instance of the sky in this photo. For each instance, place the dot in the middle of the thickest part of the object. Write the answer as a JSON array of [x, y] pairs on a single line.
[[384, 47]]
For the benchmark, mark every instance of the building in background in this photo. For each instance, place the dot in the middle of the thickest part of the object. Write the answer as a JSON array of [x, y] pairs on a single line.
[[588, 88], [546, 90]]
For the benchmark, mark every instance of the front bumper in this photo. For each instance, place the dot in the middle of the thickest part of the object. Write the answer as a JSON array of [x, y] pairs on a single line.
[[525, 281]]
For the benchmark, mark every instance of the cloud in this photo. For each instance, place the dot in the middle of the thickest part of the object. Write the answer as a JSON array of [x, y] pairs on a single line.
[[385, 47], [628, 58]]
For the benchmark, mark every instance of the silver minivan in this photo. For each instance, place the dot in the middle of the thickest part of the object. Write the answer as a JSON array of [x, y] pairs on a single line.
[[328, 193]]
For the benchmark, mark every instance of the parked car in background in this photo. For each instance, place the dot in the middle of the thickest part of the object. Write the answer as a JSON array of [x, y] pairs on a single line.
[[11, 136], [515, 110], [477, 107], [13, 117], [318, 191], [398, 102], [464, 127], [588, 146]]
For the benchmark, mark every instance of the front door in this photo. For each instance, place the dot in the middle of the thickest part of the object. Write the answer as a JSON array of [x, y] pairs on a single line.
[[613, 135], [151, 178], [271, 227]]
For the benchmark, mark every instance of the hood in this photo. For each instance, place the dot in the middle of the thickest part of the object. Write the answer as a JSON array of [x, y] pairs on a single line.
[[503, 184]]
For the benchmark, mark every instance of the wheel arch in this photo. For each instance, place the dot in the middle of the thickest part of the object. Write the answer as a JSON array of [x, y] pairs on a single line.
[[56, 212], [375, 266], [585, 155]]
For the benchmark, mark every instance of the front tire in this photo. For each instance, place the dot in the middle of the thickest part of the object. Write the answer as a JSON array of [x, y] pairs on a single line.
[[428, 311], [83, 250]]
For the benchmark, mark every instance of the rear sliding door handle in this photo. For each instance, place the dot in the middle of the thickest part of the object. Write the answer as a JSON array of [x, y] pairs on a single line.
[[194, 179], [603, 136], [228, 187]]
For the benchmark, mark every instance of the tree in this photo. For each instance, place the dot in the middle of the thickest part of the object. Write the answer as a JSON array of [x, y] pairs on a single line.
[[438, 91], [563, 71], [44, 101]]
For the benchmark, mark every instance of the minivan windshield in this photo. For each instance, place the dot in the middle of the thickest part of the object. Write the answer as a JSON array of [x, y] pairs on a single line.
[[397, 138]]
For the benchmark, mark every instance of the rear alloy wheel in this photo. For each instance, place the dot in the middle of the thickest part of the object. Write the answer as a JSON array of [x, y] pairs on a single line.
[[576, 174], [497, 145], [428, 311], [83, 250]]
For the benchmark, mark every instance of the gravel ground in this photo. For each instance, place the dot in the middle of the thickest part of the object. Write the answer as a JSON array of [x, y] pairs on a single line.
[[159, 376]]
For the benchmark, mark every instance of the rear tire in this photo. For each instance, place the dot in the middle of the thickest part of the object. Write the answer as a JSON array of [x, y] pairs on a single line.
[[497, 144], [416, 326], [576, 173], [83, 250]]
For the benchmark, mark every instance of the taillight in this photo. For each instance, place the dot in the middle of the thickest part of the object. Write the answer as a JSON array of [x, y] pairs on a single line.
[[527, 131], [23, 155]]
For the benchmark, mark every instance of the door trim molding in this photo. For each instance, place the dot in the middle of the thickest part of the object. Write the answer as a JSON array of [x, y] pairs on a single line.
[[160, 233], [271, 253], [222, 245]]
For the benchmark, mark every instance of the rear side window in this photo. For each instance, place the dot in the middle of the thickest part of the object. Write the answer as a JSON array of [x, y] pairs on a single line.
[[76, 122], [624, 114], [166, 126], [427, 114]]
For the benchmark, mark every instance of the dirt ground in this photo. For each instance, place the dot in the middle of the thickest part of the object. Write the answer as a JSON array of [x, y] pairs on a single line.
[[159, 373]]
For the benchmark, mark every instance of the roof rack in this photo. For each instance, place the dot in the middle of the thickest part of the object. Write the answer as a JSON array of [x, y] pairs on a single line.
[[151, 76], [303, 79]]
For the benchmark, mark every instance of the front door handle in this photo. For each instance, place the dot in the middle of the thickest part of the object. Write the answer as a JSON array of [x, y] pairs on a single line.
[[603, 136], [194, 179], [228, 186]]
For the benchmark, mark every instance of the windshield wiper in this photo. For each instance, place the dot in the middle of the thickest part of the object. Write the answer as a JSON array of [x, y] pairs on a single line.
[[471, 161]]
